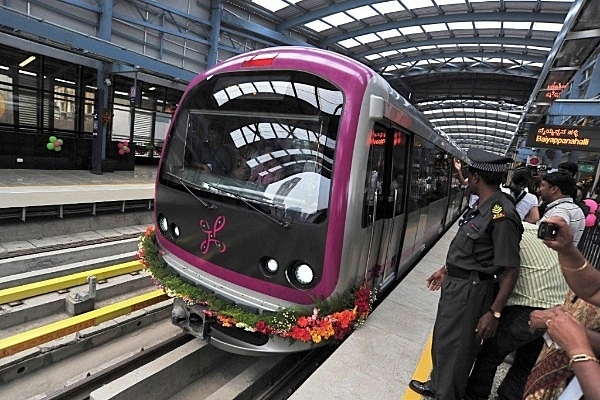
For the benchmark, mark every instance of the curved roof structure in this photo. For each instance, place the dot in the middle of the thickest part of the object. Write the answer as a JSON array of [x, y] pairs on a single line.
[[472, 66], [483, 71]]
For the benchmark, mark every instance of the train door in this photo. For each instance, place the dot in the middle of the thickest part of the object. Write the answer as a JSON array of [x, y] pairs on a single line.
[[385, 190]]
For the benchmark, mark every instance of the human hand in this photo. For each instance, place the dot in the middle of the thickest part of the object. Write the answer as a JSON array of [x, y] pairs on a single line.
[[538, 318], [486, 327], [434, 282], [457, 164], [568, 333], [564, 236]]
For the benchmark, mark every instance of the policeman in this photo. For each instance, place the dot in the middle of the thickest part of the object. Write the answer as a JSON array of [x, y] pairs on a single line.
[[480, 273]]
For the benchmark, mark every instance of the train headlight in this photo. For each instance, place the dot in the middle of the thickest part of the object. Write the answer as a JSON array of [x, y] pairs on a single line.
[[272, 265], [301, 275], [163, 224], [269, 266], [175, 230]]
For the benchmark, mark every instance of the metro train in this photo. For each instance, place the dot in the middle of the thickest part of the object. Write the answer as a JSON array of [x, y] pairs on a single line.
[[290, 177]]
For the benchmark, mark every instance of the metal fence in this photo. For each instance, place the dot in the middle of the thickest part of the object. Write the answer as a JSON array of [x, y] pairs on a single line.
[[589, 245]]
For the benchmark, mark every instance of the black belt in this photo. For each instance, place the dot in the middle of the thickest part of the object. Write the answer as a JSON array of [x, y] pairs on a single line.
[[460, 273]]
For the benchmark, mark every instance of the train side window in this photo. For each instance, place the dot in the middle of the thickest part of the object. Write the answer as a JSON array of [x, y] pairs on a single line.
[[398, 171], [374, 178]]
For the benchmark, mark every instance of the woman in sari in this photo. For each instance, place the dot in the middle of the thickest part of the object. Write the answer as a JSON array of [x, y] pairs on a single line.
[[574, 327]]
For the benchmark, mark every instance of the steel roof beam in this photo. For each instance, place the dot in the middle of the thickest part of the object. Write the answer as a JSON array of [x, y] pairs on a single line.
[[448, 18], [458, 41], [91, 46]]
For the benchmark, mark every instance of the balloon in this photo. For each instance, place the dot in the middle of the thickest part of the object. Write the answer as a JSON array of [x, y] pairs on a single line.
[[56, 144], [57, 148], [52, 139], [120, 145], [591, 204], [50, 146], [59, 141], [126, 149], [590, 220], [121, 151]]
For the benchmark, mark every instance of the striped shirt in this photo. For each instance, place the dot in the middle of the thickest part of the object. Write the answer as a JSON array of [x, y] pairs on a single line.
[[541, 283], [570, 212]]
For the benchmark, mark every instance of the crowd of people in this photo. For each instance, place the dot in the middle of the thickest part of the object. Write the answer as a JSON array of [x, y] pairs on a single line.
[[515, 285]]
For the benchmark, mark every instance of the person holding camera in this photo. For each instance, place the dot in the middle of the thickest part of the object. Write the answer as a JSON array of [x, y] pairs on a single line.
[[574, 327], [555, 190], [472, 298]]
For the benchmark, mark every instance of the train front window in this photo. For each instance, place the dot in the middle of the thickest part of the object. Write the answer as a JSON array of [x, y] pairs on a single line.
[[265, 138]]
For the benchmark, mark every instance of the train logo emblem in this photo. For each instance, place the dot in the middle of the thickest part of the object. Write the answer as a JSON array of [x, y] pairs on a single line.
[[211, 235]]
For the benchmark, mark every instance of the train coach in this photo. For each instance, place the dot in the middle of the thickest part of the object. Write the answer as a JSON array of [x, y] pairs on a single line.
[[291, 177]]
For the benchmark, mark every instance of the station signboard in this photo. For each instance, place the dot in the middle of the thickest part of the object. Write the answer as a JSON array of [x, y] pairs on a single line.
[[564, 137]]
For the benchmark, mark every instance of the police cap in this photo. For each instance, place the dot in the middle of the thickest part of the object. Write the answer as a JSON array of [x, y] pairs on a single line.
[[486, 161]]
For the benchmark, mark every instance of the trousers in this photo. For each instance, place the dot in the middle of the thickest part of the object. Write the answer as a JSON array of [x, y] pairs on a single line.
[[513, 334]]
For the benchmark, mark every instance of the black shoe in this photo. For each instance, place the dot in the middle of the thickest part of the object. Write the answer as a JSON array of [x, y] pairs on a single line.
[[422, 388]]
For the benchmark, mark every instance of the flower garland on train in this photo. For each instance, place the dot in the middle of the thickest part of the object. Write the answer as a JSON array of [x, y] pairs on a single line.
[[331, 320]]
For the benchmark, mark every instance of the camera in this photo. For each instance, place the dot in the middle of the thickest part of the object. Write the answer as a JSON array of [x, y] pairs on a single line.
[[547, 231]]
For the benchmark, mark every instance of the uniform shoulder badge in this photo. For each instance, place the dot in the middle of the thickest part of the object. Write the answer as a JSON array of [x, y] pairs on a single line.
[[498, 212]]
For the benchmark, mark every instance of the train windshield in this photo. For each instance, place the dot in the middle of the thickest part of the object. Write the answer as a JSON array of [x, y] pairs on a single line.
[[266, 138]]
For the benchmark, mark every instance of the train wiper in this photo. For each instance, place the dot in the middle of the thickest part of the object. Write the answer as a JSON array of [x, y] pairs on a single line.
[[185, 183], [280, 222]]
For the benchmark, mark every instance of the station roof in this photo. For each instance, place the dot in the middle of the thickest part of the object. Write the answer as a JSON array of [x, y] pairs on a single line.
[[481, 70]]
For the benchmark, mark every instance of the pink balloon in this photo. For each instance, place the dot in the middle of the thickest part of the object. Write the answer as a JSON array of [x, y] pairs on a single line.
[[56, 144], [591, 204], [120, 145], [590, 220], [121, 151]]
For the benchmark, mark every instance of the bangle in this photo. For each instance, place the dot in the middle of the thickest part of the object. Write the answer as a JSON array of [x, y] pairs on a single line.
[[582, 357], [584, 266]]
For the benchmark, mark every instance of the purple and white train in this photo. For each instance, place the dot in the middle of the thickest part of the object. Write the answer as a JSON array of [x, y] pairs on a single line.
[[291, 173]]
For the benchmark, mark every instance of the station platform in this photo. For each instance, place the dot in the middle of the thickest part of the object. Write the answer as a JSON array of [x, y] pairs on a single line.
[[29, 193], [392, 347]]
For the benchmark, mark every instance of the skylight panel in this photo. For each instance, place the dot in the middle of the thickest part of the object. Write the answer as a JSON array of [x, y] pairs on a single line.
[[368, 38], [426, 47], [446, 2], [539, 48], [460, 25], [389, 53], [546, 26], [488, 25], [389, 33], [272, 5], [435, 27], [413, 4], [317, 25], [338, 19], [372, 57], [409, 30], [517, 25], [349, 43], [362, 12], [388, 7]]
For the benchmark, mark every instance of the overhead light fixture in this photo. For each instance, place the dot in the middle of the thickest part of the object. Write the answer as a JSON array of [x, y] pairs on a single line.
[[151, 88], [26, 61]]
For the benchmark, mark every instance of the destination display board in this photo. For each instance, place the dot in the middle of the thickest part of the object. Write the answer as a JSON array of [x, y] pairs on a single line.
[[564, 137]]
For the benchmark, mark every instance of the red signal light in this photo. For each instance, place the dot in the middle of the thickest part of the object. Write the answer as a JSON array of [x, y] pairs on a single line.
[[265, 60]]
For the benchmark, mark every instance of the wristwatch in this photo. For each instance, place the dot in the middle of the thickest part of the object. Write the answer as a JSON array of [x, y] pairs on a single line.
[[495, 313]]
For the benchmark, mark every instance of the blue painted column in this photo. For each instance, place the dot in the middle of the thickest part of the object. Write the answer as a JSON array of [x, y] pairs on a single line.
[[216, 13], [103, 83]]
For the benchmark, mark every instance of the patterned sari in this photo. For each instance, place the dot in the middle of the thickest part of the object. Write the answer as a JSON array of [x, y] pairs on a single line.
[[551, 373]]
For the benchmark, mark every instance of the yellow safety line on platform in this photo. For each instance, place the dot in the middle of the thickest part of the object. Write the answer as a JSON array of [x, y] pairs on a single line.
[[44, 334], [421, 372], [63, 282]]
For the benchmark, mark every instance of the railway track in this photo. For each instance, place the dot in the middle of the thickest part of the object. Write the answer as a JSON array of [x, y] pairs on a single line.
[[125, 347]]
